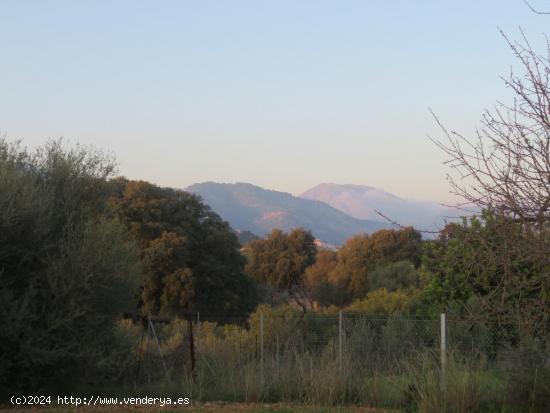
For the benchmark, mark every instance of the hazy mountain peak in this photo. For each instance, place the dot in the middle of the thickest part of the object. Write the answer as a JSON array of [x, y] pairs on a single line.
[[358, 190], [362, 202], [332, 185]]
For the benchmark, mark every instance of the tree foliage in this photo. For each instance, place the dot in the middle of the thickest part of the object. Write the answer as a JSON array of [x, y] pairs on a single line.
[[500, 260], [400, 275], [393, 245], [67, 272], [317, 283], [497, 261], [383, 302], [362, 255], [351, 274], [190, 255], [281, 259]]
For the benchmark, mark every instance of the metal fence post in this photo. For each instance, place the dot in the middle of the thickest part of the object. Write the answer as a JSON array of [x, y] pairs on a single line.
[[340, 339], [277, 358], [443, 327], [262, 343]]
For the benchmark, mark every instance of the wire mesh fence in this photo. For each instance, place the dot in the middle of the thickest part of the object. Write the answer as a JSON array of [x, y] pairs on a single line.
[[208, 346]]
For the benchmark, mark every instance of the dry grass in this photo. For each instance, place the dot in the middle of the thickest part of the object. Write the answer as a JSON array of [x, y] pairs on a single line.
[[212, 407]]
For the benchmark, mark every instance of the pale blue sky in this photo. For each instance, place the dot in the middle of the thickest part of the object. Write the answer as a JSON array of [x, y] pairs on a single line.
[[283, 94]]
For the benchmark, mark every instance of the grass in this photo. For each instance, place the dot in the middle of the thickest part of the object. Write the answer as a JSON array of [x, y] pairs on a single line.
[[207, 408]]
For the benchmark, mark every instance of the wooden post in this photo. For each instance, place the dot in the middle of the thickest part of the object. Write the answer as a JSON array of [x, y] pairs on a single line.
[[198, 328], [191, 347], [197, 348], [147, 352]]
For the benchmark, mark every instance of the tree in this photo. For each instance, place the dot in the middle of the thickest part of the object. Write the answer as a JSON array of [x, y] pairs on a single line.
[[489, 260], [506, 167], [361, 254], [183, 242], [393, 245], [504, 170], [351, 272], [280, 260], [317, 286], [394, 276], [190, 255], [67, 270]]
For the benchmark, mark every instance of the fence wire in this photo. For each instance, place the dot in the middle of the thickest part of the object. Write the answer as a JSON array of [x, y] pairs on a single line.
[[207, 345]]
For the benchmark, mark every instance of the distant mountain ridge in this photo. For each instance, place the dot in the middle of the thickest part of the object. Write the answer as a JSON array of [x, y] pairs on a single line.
[[361, 202], [252, 208]]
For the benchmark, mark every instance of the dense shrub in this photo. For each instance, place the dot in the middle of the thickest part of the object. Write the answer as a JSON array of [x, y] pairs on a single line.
[[383, 302]]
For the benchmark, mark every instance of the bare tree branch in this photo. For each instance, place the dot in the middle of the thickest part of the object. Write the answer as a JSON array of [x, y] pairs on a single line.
[[534, 10], [397, 224], [505, 167]]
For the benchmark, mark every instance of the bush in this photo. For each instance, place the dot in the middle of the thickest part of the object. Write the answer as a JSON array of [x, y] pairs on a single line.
[[527, 368], [383, 302]]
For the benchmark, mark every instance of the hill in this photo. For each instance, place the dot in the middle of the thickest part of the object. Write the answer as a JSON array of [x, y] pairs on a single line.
[[252, 208]]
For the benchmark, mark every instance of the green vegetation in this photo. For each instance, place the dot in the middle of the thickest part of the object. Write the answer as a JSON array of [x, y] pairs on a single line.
[[221, 407], [103, 282], [68, 271], [386, 362], [279, 261], [495, 264], [91, 263], [190, 255]]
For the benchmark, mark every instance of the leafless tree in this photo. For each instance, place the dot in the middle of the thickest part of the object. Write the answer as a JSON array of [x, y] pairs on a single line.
[[505, 167]]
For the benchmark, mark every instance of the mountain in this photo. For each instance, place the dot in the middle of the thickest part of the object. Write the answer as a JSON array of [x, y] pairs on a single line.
[[259, 210], [361, 202], [246, 237]]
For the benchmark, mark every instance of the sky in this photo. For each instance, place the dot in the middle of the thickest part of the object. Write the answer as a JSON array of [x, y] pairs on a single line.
[[282, 94]]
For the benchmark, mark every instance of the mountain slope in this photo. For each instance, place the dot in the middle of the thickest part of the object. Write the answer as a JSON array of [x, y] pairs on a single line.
[[252, 208], [362, 201]]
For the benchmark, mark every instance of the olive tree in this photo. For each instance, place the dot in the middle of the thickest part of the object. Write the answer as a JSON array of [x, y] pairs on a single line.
[[191, 257], [67, 271]]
